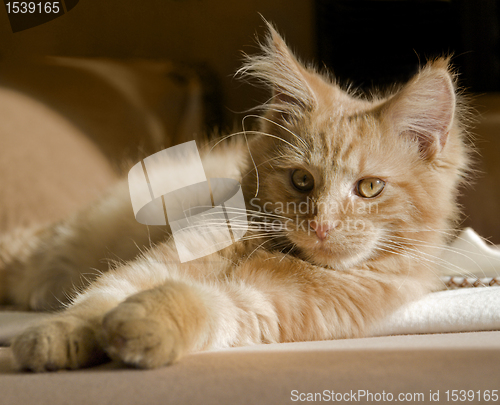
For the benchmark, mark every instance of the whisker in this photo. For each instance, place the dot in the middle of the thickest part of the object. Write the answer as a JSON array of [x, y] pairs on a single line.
[[436, 260], [462, 252]]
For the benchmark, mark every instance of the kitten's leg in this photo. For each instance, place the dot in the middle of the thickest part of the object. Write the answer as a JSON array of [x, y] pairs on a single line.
[[315, 303], [155, 327], [156, 310], [166, 309], [149, 329], [270, 298], [40, 269], [68, 339]]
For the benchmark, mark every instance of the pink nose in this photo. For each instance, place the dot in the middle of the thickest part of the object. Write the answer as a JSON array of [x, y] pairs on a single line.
[[321, 229]]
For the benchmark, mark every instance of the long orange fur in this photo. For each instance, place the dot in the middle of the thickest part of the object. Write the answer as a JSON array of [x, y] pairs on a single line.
[[275, 285]]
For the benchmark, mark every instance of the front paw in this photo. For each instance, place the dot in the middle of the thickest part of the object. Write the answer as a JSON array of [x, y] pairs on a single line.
[[58, 343], [139, 339]]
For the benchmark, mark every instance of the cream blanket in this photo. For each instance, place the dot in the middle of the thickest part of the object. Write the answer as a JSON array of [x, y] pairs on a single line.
[[471, 303]]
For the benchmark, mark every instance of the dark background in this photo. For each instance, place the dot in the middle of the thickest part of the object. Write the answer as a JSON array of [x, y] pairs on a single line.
[[370, 43], [373, 43]]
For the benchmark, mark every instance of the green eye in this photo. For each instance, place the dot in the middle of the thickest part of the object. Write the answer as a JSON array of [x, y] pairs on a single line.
[[302, 180], [370, 187]]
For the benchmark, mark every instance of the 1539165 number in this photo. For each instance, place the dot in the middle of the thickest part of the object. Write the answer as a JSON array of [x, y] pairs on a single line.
[[471, 395], [31, 7]]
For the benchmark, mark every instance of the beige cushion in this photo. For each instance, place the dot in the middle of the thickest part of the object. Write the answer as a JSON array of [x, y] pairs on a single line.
[[267, 374], [48, 168]]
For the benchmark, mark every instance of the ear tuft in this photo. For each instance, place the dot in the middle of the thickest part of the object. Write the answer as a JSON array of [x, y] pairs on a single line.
[[424, 109], [278, 68]]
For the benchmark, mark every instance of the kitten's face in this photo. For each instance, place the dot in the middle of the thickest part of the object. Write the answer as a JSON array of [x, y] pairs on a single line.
[[344, 187], [345, 181]]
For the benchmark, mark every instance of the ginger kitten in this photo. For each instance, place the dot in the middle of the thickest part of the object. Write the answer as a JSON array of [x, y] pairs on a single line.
[[349, 201]]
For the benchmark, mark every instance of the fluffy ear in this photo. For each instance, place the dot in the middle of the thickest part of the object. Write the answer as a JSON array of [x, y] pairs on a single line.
[[424, 108], [277, 66]]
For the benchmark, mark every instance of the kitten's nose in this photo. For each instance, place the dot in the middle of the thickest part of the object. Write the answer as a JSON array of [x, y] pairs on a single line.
[[321, 229]]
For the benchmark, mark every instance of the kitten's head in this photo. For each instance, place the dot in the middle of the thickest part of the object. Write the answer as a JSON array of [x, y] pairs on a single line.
[[345, 180]]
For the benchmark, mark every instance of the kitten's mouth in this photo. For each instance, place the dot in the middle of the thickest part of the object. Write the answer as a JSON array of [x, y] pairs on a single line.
[[339, 253]]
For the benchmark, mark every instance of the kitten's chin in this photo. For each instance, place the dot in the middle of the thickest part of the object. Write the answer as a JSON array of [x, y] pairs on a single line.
[[337, 260]]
